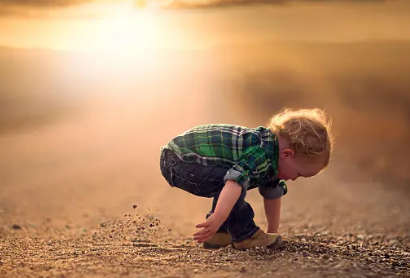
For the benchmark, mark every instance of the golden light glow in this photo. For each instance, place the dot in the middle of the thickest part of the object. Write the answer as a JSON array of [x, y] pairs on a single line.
[[124, 29]]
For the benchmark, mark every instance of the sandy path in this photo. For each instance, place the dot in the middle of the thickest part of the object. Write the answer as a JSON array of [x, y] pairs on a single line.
[[67, 192]]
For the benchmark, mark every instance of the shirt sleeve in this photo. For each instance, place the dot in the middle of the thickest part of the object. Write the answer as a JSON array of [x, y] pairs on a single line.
[[274, 189], [251, 162]]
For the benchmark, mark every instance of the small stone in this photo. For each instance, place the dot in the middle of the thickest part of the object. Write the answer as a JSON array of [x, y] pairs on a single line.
[[243, 270], [16, 227], [134, 206]]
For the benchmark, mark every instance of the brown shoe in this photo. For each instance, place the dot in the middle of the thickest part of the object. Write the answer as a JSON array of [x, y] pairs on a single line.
[[218, 240], [259, 239]]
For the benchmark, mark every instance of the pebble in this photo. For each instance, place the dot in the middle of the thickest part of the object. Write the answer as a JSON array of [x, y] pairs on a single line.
[[16, 227]]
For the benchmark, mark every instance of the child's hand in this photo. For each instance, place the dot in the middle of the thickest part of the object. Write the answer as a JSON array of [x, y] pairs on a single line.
[[210, 227]]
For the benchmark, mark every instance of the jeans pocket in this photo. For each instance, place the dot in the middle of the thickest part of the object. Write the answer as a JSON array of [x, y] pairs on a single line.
[[183, 182]]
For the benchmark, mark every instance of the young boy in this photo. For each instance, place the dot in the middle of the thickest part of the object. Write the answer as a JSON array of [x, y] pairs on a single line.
[[224, 161]]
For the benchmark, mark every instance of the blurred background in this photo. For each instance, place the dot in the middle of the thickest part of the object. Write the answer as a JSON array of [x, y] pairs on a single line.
[[90, 90]]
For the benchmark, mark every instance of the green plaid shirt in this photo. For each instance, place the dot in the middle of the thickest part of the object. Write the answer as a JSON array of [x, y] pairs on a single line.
[[250, 154]]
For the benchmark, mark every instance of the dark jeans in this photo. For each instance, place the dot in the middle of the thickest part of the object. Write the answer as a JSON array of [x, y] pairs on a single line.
[[208, 182]]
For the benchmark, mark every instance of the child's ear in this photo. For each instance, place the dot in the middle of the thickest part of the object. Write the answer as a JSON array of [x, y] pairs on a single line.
[[287, 153]]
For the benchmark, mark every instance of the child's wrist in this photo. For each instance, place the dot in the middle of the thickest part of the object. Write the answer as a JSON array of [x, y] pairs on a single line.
[[220, 216]]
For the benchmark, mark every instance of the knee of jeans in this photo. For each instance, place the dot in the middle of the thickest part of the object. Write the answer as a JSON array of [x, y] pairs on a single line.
[[166, 161], [162, 167], [169, 176], [166, 171]]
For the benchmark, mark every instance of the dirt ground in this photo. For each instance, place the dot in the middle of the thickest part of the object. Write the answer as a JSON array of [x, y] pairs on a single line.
[[82, 195], [67, 210]]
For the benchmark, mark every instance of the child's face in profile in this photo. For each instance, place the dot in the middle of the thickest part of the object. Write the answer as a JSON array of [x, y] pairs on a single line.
[[291, 167]]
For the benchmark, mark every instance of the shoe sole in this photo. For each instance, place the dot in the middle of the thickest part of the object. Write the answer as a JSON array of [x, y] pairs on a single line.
[[218, 240], [273, 246], [207, 245], [278, 242]]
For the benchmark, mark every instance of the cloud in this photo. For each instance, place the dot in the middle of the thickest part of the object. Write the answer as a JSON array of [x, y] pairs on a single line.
[[179, 4], [166, 3], [41, 3], [36, 7], [194, 4]]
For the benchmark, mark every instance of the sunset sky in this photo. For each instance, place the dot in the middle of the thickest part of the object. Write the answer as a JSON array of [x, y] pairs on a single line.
[[137, 25]]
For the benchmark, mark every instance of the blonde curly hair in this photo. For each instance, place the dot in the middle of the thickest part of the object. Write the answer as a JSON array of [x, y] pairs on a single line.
[[307, 131]]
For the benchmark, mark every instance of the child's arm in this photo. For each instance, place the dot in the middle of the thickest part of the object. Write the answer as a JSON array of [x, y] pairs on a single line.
[[229, 196], [272, 212]]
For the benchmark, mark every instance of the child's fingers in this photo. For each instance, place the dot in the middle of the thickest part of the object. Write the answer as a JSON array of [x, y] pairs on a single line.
[[202, 238], [202, 225], [201, 232]]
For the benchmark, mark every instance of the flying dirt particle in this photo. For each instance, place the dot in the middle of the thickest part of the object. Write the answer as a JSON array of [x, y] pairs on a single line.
[[134, 206], [169, 229], [16, 227], [151, 225]]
